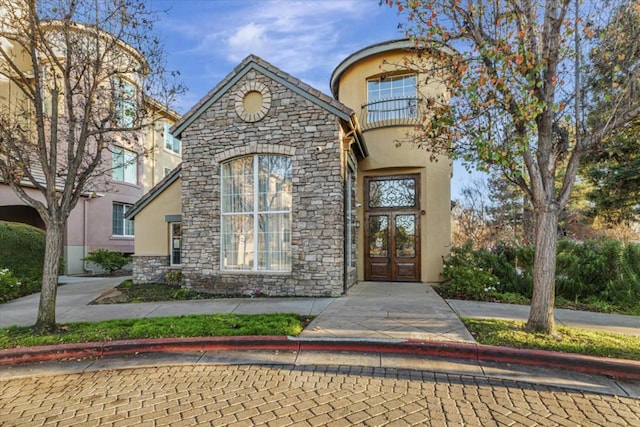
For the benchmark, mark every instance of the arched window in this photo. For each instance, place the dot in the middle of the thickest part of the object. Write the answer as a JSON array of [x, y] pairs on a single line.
[[256, 214]]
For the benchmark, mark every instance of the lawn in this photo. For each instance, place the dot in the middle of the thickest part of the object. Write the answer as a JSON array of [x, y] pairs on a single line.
[[159, 327], [568, 340]]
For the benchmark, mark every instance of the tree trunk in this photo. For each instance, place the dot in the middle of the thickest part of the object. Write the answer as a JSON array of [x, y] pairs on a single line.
[[53, 251], [541, 315]]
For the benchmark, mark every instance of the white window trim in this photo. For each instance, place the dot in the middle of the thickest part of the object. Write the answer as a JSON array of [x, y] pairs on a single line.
[[256, 228]]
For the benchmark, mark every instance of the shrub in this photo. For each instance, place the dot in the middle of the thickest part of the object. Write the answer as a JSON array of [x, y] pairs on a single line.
[[173, 278], [110, 261], [468, 274], [22, 250], [602, 273], [9, 286], [185, 294]]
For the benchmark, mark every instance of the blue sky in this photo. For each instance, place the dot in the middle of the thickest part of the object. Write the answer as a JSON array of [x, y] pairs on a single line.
[[206, 39]]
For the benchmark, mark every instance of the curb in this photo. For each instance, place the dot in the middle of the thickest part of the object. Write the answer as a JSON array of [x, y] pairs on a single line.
[[617, 368]]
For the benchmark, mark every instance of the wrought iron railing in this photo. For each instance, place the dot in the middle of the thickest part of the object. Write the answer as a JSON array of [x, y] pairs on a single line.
[[389, 112]]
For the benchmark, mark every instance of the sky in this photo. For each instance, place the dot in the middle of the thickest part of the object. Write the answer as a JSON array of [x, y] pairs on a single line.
[[206, 39]]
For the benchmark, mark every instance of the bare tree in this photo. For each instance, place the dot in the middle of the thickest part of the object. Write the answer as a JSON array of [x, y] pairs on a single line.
[[78, 73], [516, 73], [471, 220]]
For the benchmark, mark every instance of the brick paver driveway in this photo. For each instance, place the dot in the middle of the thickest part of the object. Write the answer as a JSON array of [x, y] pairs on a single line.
[[287, 395]]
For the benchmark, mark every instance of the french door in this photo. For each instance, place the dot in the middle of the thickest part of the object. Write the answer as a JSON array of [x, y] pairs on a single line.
[[392, 228]]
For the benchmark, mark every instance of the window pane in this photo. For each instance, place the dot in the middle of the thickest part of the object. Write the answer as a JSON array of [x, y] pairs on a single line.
[[378, 235], [176, 243], [117, 164], [167, 137], [405, 237], [116, 220], [237, 185], [128, 224], [392, 193], [275, 183], [391, 98], [125, 165], [237, 242], [170, 142], [130, 167], [124, 96], [274, 244], [119, 225]]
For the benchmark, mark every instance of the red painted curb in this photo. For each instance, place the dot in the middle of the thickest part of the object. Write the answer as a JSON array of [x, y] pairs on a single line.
[[618, 368]]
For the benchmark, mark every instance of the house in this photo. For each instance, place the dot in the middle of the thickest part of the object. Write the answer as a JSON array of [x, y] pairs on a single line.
[[134, 163], [286, 190]]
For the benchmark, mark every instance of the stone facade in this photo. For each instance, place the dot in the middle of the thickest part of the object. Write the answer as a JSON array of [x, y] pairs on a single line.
[[150, 269], [293, 126]]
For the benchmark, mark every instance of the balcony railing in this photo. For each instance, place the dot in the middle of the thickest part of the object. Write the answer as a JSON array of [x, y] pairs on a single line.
[[389, 112]]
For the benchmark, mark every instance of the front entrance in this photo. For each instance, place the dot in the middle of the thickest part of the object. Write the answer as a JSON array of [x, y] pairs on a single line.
[[392, 228]]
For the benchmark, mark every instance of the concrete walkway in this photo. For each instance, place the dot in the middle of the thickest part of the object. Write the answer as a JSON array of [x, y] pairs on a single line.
[[74, 297], [370, 310], [629, 325], [378, 310]]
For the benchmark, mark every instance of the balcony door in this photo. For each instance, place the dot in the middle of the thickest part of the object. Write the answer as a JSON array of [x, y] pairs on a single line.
[[392, 228]]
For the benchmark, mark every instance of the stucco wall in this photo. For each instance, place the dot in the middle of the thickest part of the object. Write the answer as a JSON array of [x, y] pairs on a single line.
[[152, 231], [293, 126], [385, 159]]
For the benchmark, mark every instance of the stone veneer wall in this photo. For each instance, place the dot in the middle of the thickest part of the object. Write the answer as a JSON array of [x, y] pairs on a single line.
[[150, 269], [293, 126]]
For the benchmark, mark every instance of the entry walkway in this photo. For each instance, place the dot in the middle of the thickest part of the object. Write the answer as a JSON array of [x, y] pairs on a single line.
[[379, 310]]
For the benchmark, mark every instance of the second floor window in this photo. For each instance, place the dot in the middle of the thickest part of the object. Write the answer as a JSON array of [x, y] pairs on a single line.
[[390, 98], [124, 99], [125, 165], [171, 143]]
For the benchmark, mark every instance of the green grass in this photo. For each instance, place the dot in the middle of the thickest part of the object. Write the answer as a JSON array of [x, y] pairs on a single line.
[[568, 340], [159, 327]]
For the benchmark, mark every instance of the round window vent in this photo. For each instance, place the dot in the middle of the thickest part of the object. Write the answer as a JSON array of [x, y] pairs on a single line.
[[253, 101]]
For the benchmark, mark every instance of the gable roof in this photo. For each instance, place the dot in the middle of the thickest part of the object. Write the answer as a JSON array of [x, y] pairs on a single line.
[[154, 192], [253, 62]]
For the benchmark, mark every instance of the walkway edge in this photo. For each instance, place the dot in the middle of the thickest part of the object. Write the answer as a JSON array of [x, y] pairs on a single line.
[[617, 368]]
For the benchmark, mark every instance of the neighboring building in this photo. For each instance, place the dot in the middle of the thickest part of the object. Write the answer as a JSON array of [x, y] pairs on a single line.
[[277, 179], [133, 166]]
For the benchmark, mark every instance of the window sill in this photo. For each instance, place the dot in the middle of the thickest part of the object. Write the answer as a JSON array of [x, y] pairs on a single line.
[[121, 238]]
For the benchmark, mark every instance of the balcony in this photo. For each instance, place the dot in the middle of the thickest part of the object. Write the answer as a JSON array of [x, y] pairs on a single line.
[[389, 112]]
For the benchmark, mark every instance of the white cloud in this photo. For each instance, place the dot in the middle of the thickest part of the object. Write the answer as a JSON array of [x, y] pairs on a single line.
[[296, 36], [306, 38], [250, 35]]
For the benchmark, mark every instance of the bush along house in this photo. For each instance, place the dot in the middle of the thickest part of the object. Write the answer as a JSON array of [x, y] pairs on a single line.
[[286, 191]]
